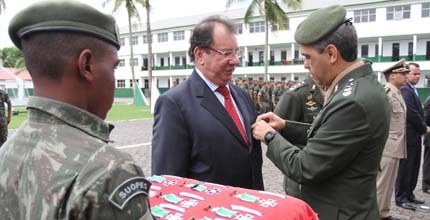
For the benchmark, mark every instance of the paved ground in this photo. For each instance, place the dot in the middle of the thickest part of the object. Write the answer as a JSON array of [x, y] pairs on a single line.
[[134, 137]]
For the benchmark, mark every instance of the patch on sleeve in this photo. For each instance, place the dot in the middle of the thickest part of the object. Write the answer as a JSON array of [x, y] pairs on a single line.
[[129, 189]]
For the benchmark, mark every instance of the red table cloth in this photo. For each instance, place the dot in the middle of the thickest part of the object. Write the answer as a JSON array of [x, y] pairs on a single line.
[[176, 198]]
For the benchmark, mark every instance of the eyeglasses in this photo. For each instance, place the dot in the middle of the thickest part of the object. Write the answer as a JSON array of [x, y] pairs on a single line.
[[228, 52]]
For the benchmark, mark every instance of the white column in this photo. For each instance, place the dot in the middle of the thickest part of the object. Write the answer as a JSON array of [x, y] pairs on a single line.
[[171, 81], [379, 76], [155, 60], [414, 47], [187, 58], [171, 59], [292, 76], [245, 56], [379, 49], [292, 52]]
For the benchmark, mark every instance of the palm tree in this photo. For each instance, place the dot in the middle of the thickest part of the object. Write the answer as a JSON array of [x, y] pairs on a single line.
[[273, 14], [132, 12], [2, 6]]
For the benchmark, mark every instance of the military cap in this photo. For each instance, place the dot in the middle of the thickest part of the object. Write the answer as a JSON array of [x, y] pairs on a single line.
[[319, 24], [399, 67], [63, 16]]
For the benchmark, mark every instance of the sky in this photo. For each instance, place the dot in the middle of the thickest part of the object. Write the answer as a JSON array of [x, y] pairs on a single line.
[[161, 10]]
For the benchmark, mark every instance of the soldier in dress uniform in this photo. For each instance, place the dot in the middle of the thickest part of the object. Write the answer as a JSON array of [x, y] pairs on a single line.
[[300, 103], [4, 119], [395, 147], [59, 164], [337, 167]]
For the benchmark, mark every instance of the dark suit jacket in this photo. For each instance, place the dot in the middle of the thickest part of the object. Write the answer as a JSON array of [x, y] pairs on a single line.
[[415, 124], [338, 166], [194, 137], [427, 120]]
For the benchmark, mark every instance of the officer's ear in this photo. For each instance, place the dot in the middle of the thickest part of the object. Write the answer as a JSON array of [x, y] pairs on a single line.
[[332, 53], [85, 65]]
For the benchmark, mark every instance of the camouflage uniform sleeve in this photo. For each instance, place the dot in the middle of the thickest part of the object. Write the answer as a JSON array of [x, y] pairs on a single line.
[[119, 193]]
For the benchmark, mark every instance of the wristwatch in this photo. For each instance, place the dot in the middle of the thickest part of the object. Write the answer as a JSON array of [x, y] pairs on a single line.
[[270, 135]]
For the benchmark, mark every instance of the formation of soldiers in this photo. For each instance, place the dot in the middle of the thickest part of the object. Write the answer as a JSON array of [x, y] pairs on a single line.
[[265, 94]]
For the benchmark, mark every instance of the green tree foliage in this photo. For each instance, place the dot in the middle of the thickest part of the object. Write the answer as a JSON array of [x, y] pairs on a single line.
[[273, 14], [12, 57]]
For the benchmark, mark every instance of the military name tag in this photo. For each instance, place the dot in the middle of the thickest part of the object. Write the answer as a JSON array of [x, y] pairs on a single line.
[[129, 189]]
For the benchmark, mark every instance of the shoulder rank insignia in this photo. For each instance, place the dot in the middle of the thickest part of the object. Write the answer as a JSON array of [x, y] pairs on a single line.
[[348, 89], [129, 189], [387, 90], [310, 103]]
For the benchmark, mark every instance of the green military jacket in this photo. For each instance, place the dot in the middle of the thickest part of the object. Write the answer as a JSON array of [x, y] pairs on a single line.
[[59, 165], [300, 103], [338, 166]]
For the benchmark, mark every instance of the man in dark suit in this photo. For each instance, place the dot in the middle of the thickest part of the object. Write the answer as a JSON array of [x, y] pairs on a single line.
[[202, 127], [409, 167], [337, 167], [426, 162]]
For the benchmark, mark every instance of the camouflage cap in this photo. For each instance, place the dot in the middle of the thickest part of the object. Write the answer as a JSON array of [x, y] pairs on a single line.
[[63, 16], [320, 24], [399, 67]]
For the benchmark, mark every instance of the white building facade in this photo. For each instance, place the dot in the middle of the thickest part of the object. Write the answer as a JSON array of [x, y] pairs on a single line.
[[387, 31]]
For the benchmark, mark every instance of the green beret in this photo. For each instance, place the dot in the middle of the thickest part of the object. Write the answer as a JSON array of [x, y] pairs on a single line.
[[63, 16], [399, 67], [319, 24]]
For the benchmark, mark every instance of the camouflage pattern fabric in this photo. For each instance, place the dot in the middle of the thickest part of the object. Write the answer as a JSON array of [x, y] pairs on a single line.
[[59, 165], [4, 98]]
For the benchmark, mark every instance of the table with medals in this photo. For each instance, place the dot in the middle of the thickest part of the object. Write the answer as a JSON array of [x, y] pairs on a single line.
[[177, 198]]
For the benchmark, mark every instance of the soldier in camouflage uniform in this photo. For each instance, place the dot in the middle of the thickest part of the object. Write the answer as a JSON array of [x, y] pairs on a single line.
[[60, 165], [4, 120], [263, 98], [301, 103]]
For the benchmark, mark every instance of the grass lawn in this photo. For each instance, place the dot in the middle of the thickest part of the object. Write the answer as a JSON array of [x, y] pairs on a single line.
[[119, 111]]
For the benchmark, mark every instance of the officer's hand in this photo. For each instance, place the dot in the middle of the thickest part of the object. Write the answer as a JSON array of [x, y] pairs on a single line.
[[428, 129], [260, 128], [273, 120]]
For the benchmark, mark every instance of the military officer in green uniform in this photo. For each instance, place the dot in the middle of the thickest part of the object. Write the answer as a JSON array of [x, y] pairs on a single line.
[[263, 98], [59, 164], [4, 119], [301, 103], [337, 167]]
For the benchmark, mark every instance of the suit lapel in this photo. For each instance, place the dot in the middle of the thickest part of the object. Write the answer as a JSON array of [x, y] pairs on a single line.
[[211, 103]]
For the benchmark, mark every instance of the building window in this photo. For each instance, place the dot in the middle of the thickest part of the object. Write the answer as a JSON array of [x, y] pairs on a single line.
[[425, 9], [365, 15], [146, 84], [276, 27], [120, 83], [178, 35], [428, 51], [177, 61], [144, 39], [184, 61], [121, 63], [145, 64], [283, 55], [162, 37], [239, 28], [410, 50], [255, 27], [376, 50], [121, 41], [364, 50], [134, 40], [272, 57], [396, 49], [398, 12], [131, 83], [250, 59], [134, 62], [161, 61], [260, 57]]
